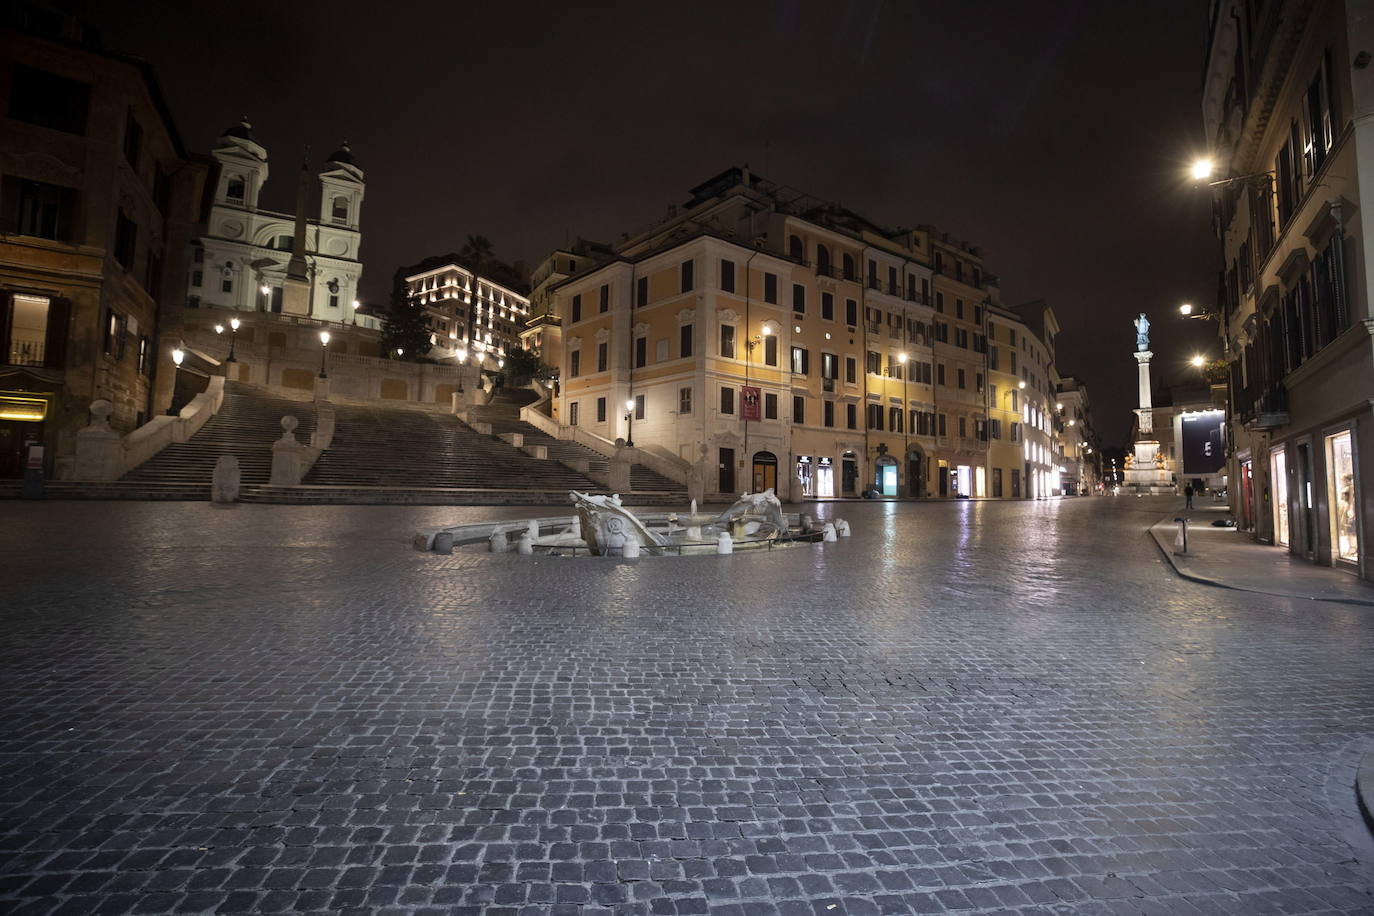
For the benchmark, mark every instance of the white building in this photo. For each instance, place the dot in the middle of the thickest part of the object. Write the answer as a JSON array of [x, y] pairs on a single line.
[[487, 326], [241, 261]]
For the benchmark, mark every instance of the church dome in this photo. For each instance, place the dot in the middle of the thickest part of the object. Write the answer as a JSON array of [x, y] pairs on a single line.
[[342, 155]]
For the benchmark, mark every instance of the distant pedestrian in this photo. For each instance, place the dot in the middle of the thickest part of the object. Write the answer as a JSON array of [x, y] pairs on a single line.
[[1188, 496]]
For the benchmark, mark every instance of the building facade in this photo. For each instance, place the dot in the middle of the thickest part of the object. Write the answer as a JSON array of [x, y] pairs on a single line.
[[98, 201], [1079, 444], [244, 258], [1286, 95], [771, 339], [469, 316]]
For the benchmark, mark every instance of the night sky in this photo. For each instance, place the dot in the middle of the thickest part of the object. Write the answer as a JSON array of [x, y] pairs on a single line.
[[1055, 136]]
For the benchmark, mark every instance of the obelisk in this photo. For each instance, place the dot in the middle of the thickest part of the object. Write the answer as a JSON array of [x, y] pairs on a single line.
[[296, 287]]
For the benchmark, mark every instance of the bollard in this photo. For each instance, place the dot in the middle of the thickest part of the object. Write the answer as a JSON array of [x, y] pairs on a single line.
[[828, 533], [724, 544], [630, 549], [1181, 541], [498, 541], [525, 546], [842, 527], [443, 542]]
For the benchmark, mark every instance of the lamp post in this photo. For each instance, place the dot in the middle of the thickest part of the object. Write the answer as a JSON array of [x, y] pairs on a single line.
[[324, 352], [233, 338], [906, 421], [178, 354], [266, 297], [356, 303], [630, 419]]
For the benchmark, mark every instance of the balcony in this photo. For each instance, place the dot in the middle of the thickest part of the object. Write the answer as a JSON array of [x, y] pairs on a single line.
[[1265, 408]]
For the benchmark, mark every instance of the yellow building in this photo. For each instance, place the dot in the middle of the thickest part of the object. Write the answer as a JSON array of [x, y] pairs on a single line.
[[771, 339]]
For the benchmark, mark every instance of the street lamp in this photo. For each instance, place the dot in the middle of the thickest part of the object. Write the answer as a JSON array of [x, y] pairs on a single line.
[[178, 354], [1198, 361], [356, 303], [233, 338], [630, 419], [1202, 169], [462, 356], [400, 351], [324, 352]]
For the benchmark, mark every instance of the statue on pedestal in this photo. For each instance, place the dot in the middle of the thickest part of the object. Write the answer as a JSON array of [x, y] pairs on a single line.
[[1142, 333]]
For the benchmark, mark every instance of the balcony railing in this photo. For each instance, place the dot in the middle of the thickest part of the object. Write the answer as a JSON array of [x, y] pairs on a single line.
[[25, 353]]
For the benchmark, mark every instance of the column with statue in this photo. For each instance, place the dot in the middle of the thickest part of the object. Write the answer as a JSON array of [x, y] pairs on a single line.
[[1147, 468]]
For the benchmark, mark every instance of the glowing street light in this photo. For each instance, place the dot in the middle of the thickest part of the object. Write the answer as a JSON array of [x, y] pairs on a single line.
[[178, 355], [1185, 309], [1198, 361], [233, 338], [630, 420], [324, 352], [356, 303], [1203, 169]]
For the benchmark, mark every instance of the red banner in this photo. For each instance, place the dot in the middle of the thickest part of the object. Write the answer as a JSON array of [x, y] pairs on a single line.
[[749, 403]]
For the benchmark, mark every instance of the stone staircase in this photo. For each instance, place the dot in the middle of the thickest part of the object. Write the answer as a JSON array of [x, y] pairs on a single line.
[[503, 413], [413, 449], [246, 426]]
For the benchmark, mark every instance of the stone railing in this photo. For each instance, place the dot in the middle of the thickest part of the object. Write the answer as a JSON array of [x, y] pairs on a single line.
[[666, 465], [102, 454]]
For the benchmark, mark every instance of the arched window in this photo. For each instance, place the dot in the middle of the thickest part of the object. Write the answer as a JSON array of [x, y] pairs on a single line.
[[822, 260], [340, 209], [849, 266], [795, 248], [236, 189]]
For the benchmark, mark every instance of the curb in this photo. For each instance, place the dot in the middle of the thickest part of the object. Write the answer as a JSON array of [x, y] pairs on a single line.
[[1364, 789], [1217, 583]]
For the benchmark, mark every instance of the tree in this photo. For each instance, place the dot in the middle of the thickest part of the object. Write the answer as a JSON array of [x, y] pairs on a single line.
[[522, 364], [405, 326]]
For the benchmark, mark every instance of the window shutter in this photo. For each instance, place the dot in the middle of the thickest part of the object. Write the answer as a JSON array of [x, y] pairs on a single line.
[[6, 313], [55, 348]]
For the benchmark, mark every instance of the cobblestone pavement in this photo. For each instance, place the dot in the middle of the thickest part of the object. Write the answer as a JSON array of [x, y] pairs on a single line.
[[1009, 707]]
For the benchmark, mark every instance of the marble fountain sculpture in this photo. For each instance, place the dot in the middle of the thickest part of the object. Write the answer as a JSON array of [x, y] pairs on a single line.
[[602, 526]]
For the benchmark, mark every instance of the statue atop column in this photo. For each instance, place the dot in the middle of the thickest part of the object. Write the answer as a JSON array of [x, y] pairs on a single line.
[[1142, 333]]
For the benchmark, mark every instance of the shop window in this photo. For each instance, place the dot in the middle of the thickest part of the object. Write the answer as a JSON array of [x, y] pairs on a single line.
[[1345, 520]]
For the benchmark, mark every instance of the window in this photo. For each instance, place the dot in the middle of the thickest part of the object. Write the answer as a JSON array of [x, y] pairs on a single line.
[[601, 410], [828, 413], [961, 378], [116, 327], [235, 189], [1016, 432], [727, 275], [684, 401], [48, 100], [1015, 482], [197, 278], [727, 400], [37, 209], [143, 354], [828, 306], [830, 365], [894, 419], [801, 361], [770, 288], [798, 409], [639, 406], [940, 302], [727, 341], [875, 417], [333, 300], [574, 365], [770, 406], [873, 363], [605, 303], [798, 298], [602, 355], [851, 312], [795, 249], [996, 482], [285, 243], [939, 373], [684, 341], [849, 269], [576, 308], [686, 275], [850, 369], [1320, 117], [822, 260], [573, 411], [339, 209], [642, 291], [126, 240], [133, 139], [770, 350], [892, 281], [978, 377], [641, 351], [873, 275], [942, 424], [851, 416]]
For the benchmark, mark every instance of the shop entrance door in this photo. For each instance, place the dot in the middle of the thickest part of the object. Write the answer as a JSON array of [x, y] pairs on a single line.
[[765, 472], [727, 471], [15, 438], [1307, 510]]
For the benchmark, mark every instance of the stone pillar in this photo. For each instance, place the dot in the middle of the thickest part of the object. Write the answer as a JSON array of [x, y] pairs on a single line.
[[620, 472], [98, 446], [1146, 413], [321, 389], [225, 484], [287, 456]]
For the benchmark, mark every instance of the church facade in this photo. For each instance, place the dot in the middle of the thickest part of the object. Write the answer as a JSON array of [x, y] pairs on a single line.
[[244, 259]]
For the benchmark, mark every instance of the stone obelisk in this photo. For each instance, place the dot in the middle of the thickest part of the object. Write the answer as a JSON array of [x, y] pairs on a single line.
[[296, 287]]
